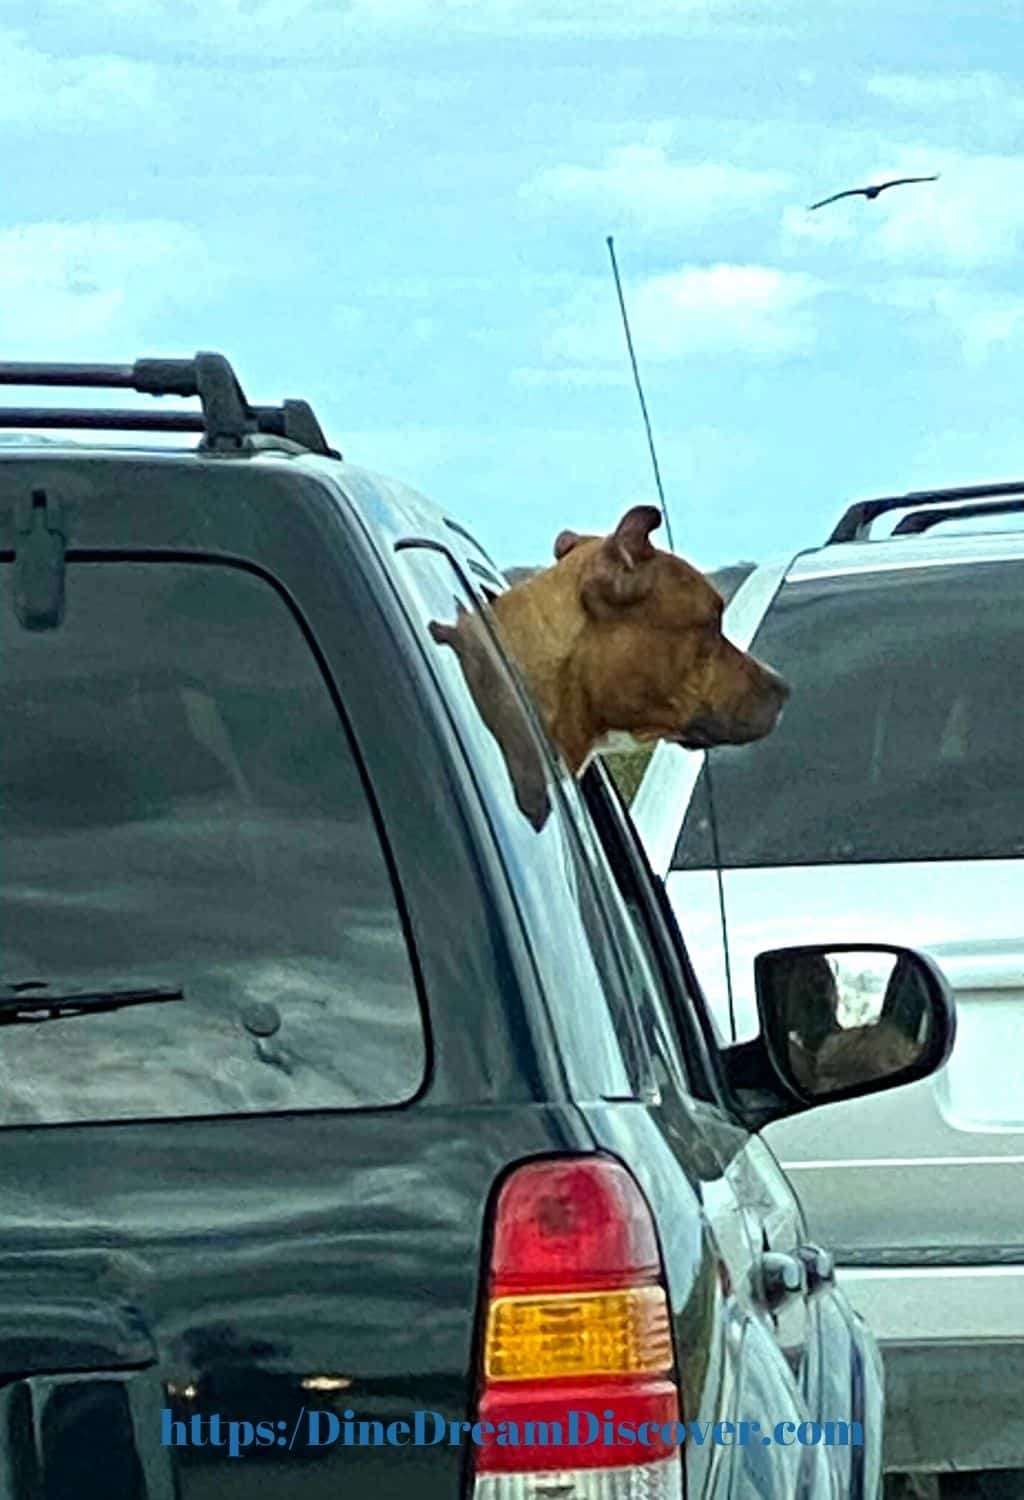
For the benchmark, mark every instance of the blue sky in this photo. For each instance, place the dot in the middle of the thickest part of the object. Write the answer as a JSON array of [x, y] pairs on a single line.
[[398, 209]]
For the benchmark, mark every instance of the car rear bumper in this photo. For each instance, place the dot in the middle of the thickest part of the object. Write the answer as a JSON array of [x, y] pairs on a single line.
[[952, 1339]]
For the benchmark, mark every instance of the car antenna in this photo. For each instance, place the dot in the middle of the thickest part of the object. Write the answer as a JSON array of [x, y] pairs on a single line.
[[713, 820], [640, 393], [717, 851]]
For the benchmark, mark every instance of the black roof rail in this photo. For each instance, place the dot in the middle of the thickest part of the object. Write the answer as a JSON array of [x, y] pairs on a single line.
[[923, 520], [227, 421], [855, 524]]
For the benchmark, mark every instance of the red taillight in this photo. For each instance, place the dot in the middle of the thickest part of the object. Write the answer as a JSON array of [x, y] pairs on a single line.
[[593, 1439], [577, 1345], [572, 1224]]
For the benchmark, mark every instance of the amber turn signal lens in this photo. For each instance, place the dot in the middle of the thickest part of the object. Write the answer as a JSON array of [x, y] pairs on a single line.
[[623, 1332]]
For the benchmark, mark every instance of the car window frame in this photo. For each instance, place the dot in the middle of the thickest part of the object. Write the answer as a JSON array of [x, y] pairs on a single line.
[[610, 963], [684, 998], [678, 995]]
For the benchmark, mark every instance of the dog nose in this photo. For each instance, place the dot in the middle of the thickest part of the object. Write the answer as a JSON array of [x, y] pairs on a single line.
[[779, 686]]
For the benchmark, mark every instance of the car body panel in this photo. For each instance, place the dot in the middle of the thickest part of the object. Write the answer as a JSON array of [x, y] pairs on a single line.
[[965, 1125], [262, 1259], [752, 1208], [744, 1376]]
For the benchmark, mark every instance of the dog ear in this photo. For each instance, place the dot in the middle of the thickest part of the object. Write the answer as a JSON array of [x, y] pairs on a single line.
[[632, 536], [616, 578], [444, 635], [450, 635], [565, 541]]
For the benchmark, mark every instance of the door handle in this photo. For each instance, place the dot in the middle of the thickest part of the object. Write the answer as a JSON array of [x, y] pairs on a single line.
[[820, 1267], [781, 1277]]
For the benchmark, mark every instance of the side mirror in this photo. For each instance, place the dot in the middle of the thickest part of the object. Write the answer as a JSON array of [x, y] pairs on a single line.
[[841, 1021]]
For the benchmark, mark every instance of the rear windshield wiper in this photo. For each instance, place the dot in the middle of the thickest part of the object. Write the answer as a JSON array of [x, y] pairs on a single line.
[[33, 1001]]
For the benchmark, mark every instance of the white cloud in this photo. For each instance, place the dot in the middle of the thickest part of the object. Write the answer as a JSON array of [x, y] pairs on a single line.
[[981, 319], [71, 94], [294, 27], [973, 217], [938, 93], [643, 189], [540, 18], [722, 311], [81, 286], [817, 229]]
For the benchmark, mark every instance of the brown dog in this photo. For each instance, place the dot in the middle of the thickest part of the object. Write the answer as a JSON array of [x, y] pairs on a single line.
[[616, 637], [859, 1054], [619, 636]]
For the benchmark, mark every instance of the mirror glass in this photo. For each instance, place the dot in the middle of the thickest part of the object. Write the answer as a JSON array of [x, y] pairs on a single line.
[[847, 1018]]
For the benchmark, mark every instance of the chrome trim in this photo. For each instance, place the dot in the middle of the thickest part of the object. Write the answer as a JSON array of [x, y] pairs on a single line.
[[906, 552]]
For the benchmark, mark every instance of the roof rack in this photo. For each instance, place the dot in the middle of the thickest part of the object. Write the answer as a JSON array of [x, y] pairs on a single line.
[[855, 525], [227, 421], [923, 520]]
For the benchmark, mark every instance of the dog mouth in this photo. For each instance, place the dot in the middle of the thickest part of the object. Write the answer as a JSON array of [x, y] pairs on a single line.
[[704, 733], [707, 734], [696, 740]]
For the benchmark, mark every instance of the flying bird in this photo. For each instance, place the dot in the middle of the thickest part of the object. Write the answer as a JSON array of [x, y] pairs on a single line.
[[871, 192]]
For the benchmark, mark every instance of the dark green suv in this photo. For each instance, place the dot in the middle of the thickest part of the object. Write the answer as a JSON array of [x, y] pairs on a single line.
[[349, 1116]]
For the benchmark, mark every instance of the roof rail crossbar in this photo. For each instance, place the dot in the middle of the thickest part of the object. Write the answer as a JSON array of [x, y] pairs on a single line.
[[923, 520], [107, 420], [226, 422], [113, 377], [855, 524]]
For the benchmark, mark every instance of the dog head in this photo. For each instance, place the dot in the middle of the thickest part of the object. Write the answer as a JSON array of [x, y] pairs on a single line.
[[859, 1054], [648, 652]]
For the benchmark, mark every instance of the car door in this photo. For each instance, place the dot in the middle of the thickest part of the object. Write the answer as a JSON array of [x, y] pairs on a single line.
[[831, 1359], [756, 1214], [766, 1204], [830, 1353]]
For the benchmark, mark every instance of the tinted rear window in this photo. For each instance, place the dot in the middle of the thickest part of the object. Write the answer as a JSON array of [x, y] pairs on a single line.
[[181, 805], [902, 740]]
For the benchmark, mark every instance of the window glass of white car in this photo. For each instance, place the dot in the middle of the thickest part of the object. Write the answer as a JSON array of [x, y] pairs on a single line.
[[905, 723]]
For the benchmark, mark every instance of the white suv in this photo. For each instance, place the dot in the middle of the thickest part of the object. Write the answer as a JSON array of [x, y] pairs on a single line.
[[889, 799]]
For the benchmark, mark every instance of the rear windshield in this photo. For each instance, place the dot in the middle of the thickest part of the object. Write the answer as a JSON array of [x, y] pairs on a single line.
[[902, 740], [180, 806]]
